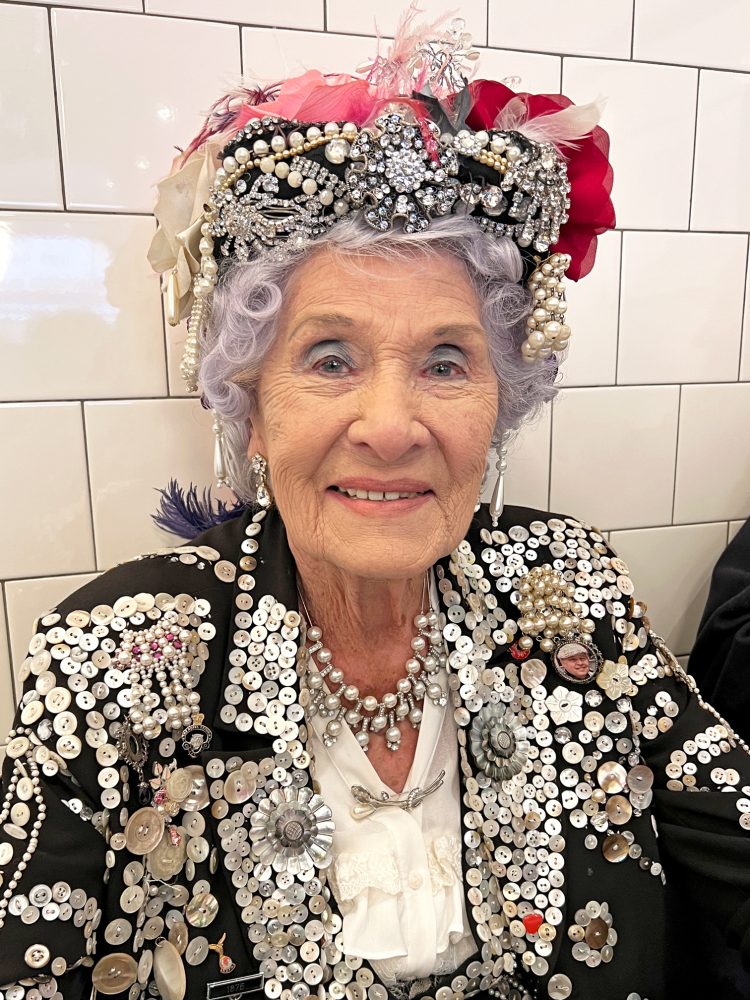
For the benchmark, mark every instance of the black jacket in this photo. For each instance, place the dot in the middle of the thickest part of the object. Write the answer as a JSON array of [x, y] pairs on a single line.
[[631, 793]]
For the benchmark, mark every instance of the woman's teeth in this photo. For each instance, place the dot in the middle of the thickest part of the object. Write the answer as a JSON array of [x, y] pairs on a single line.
[[376, 494]]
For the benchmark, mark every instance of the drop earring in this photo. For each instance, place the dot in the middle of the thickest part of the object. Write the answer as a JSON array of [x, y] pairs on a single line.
[[259, 466], [497, 503]]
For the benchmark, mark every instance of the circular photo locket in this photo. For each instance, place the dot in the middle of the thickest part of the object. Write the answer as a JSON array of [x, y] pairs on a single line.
[[577, 662]]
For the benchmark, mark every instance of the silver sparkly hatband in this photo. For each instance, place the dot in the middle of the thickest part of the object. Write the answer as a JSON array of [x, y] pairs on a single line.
[[279, 187]]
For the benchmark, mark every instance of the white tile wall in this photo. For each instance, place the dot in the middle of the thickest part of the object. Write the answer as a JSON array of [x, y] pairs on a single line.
[[578, 27], [307, 14], [30, 162], [713, 471], [117, 137], [80, 321], [702, 34], [672, 568], [528, 464], [269, 55], [673, 330], [650, 115], [721, 195], [81, 312], [134, 448], [522, 71], [593, 302], [46, 522], [606, 440], [364, 19], [28, 600]]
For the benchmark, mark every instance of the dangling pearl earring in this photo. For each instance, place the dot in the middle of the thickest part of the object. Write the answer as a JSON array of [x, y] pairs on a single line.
[[497, 503], [259, 466]]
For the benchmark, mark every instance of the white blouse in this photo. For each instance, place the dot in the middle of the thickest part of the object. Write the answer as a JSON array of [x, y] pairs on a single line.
[[396, 873]]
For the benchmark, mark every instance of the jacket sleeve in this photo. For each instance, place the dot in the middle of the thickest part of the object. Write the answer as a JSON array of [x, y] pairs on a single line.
[[701, 788], [53, 840]]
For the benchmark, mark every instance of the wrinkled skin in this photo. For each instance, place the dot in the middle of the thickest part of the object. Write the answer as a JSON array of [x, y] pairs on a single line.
[[366, 385]]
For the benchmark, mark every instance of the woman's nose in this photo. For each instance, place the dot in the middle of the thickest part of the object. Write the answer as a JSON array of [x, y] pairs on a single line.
[[388, 421]]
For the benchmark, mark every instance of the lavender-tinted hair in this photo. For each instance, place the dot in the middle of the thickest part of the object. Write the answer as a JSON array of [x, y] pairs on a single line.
[[247, 304]]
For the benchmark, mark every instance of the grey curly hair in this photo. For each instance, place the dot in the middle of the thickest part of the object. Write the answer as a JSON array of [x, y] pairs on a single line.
[[248, 298]]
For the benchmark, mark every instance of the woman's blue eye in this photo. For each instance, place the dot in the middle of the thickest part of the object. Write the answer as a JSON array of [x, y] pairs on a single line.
[[332, 366], [445, 368]]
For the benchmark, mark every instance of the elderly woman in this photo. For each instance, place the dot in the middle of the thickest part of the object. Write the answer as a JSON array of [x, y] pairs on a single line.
[[368, 737]]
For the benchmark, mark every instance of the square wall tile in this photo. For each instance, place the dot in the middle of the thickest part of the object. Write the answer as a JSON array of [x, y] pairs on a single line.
[[290, 14], [382, 18], [734, 527], [713, 457], [671, 569], [579, 27], [46, 522], [700, 34], [7, 694], [30, 165], [721, 194], [79, 306], [521, 71], [592, 314], [135, 448], [27, 600], [681, 307], [527, 478], [613, 453], [132, 88], [269, 55], [651, 191]]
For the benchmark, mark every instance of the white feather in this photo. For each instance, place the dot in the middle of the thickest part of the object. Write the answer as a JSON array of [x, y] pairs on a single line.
[[561, 128]]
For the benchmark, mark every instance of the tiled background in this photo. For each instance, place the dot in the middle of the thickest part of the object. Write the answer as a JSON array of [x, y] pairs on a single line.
[[649, 438]]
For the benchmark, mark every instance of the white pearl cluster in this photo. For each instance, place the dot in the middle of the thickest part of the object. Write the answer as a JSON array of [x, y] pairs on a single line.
[[547, 609], [547, 328], [368, 714], [163, 654]]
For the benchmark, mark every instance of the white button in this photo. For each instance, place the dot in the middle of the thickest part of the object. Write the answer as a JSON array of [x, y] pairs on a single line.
[[415, 881]]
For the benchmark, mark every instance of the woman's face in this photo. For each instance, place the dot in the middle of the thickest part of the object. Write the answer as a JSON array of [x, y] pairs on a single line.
[[376, 406]]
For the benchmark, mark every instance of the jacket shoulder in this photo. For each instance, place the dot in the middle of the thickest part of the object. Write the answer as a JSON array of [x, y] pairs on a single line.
[[200, 567]]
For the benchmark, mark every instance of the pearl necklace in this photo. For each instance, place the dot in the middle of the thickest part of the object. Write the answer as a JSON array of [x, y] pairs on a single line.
[[341, 702]]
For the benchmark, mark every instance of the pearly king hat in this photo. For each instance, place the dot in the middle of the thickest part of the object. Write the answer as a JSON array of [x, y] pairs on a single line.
[[407, 140]]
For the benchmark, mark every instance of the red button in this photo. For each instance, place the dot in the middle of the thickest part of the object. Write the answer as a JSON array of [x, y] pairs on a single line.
[[532, 922]]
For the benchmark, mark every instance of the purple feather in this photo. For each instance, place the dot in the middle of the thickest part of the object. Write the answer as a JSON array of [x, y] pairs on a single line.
[[187, 515]]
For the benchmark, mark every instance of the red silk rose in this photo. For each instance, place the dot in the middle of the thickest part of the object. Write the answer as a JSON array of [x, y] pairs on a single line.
[[589, 171]]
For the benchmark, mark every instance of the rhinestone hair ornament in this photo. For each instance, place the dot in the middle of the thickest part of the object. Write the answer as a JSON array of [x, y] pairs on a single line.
[[407, 140]]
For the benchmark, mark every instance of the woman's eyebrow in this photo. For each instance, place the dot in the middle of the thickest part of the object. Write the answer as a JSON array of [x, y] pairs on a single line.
[[458, 330], [327, 319]]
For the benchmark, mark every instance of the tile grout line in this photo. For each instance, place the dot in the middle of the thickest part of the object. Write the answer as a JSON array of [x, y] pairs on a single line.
[[362, 34], [56, 104], [549, 455], [676, 453], [88, 481], [619, 311], [487, 32], [242, 54], [632, 32], [695, 149], [743, 345], [10, 650], [325, 16]]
